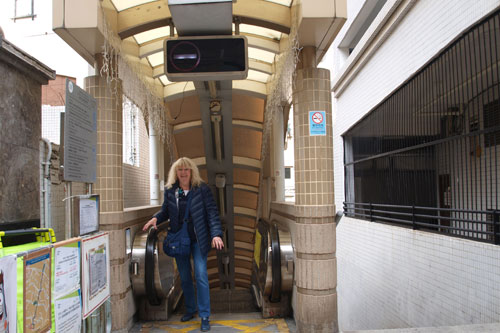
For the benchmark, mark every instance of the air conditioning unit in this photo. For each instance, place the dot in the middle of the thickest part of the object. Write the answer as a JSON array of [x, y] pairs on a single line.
[[206, 58]]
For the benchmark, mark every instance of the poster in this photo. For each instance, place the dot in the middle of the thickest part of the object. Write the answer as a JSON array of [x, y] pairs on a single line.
[[68, 313], [37, 278], [66, 266], [97, 267], [89, 215], [95, 272], [8, 290]]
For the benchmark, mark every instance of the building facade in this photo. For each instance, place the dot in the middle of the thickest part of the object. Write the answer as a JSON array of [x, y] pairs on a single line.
[[416, 103]]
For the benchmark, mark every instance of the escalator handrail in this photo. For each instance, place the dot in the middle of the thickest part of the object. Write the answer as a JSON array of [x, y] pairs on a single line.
[[275, 264], [149, 269]]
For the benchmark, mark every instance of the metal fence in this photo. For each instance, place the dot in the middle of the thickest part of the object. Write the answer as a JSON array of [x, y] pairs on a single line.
[[482, 225], [427, 156]]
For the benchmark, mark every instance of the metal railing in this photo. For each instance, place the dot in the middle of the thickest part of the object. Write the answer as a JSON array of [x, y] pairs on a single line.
[[471, 224]]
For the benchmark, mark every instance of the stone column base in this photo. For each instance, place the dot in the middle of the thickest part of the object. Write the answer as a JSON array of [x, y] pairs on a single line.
[[316, 313]]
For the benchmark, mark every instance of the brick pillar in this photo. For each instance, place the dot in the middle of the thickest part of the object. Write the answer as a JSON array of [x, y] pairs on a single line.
[[316, 265], [109, 186]]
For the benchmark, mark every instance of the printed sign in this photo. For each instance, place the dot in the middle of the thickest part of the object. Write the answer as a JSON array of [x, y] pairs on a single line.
[[89, 215], [66, 266], [68, 313], [317, 123]]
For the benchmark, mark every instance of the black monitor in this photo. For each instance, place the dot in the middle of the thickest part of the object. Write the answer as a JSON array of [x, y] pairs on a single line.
[[206, 58]]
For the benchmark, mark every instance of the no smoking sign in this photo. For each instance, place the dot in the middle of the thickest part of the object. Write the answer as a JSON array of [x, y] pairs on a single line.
[[317, 123]]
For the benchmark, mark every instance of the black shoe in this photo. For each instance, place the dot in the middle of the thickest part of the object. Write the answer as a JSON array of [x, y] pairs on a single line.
[[187, 317], [205, 324]]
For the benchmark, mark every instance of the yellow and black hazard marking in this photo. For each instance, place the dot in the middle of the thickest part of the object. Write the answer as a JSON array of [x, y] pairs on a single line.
[[246, 325]]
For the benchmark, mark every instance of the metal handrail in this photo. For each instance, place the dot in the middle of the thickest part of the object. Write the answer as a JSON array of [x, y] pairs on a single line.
[[459, 226]]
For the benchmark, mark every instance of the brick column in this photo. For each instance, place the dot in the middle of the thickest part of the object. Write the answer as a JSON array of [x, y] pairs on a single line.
[[316, 265], [109, 186]]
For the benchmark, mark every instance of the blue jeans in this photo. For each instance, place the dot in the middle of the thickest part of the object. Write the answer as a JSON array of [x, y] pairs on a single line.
[[201, 276]]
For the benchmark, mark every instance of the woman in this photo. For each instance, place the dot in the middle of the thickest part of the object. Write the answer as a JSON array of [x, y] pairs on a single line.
[[204, 229]]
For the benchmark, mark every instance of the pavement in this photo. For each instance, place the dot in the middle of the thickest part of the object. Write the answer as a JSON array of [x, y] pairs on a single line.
[[477, 328], [253, 322]]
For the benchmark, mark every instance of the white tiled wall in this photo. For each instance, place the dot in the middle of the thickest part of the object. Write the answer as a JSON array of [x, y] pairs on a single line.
[[423, 32], [392, 277]]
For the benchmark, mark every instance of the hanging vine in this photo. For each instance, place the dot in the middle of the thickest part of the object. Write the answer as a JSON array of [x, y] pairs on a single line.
[[116, 65], [281, 84]]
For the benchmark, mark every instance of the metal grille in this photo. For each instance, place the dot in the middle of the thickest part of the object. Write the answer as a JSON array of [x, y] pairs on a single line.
[[427, 156]]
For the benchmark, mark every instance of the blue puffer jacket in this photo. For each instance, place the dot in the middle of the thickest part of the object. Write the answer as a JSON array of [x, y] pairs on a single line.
[[203, 212]]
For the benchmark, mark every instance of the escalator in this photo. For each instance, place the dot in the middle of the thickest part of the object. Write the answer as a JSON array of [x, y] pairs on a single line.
[[156, 283]]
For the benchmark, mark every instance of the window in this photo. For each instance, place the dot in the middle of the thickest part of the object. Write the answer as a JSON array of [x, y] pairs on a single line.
[[287, 173], [24, 9], [130, 132]]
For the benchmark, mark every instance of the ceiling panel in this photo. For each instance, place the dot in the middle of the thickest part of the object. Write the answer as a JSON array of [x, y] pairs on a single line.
[[185, 109], [190, 143], [245, 199], [247, 143], [247, 177], [248, 108]]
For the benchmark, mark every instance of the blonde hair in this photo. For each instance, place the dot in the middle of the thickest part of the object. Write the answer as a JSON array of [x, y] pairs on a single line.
[[184, 162]]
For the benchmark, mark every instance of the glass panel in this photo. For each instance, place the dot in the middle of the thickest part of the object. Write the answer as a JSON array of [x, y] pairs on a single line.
[[152, 34], [164, 80], [125, 4], [255, 30], [281, 2], [261, 55], [257, 76], [156, 59]]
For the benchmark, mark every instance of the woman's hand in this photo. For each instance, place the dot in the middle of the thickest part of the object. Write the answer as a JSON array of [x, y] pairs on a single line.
[[150, 223], [217, 243]]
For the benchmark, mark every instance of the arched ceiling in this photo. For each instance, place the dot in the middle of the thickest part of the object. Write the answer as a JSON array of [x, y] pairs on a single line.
[[147, 24]]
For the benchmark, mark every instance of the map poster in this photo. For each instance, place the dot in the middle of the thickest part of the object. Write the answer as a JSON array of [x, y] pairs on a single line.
[[68, 313], [36, 293], [8, 291], [95, 272], [66, 266]]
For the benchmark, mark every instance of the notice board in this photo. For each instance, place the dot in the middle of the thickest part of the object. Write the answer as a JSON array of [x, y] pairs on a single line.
[[80, 135]]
